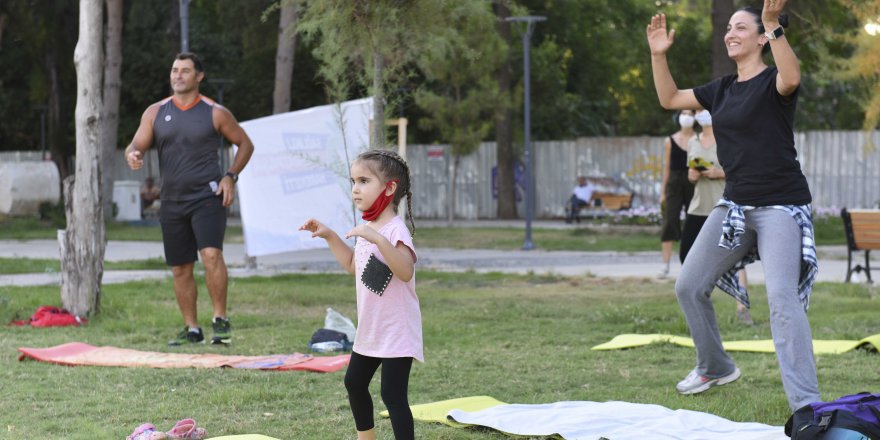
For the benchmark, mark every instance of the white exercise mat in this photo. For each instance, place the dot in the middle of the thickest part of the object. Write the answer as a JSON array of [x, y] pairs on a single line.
[[582, 420]]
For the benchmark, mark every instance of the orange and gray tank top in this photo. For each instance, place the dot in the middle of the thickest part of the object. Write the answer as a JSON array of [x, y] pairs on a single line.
[[188, 149]]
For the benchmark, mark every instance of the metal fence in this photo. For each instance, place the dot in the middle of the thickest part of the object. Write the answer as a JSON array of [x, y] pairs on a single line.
[[839, 168], [633, 161]]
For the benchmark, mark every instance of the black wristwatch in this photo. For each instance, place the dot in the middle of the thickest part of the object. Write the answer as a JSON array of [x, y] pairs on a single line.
[[233, 176]]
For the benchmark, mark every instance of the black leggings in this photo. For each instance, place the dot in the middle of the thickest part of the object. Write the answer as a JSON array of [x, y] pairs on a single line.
[[395, 381]]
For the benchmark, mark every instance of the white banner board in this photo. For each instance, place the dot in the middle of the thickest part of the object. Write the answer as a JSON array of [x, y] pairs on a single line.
[[300, 170]]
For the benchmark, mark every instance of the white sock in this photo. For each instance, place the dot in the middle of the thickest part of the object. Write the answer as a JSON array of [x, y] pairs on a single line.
[[193, 329]]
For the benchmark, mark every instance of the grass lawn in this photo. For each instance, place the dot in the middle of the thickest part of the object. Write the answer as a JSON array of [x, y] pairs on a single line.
[[33, 265], [520, 339], [575, 239], [31, 228], [589, 237]]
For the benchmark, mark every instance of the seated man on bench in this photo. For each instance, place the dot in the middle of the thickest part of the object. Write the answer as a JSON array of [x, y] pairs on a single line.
[[581, 196]]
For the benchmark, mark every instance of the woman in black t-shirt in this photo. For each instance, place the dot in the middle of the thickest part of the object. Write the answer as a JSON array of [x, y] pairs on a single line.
[[765, 208]]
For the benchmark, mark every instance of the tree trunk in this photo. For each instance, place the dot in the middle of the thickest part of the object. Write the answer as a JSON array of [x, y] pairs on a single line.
[[377, 137], [82, 258], [721, 63], [110, 124], [284, 57], [504, 179]]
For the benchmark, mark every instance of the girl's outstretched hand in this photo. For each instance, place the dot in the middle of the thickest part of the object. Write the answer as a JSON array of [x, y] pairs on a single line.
[[316, 228], [658, 39], [365, 232]]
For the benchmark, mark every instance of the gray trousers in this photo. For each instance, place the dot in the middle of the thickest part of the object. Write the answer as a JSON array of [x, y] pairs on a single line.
[[779, 245]]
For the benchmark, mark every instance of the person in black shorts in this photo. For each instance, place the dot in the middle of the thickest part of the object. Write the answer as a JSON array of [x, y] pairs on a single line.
[[186, 129]]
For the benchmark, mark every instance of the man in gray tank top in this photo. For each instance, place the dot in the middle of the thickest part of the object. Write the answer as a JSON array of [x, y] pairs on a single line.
[[186, 129]]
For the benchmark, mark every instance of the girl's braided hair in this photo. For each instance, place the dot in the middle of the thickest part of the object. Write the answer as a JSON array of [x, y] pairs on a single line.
[[390, 166]]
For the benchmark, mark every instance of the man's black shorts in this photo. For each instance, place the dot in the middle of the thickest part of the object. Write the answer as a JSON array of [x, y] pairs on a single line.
[[190, 226]]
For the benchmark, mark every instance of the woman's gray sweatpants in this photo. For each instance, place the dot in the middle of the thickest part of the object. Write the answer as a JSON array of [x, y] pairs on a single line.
[[779, 244]]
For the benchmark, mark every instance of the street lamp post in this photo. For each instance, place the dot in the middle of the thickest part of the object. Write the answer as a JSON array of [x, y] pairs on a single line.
[[530, 21], [184, 25]]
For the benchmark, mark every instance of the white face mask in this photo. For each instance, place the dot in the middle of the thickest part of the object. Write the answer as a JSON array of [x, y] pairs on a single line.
[[686, 121], [704, 118]]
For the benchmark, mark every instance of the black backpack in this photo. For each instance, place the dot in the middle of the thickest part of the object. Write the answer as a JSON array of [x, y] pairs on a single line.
[[328, 335], [852, 417]]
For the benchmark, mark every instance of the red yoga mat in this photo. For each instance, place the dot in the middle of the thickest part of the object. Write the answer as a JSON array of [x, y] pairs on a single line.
[[78, 353]]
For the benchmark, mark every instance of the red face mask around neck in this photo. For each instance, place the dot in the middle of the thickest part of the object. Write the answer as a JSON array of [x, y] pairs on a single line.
[[380, 204]]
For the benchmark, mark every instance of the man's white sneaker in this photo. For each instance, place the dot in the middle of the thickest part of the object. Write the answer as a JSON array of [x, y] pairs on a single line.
[[694, 383]]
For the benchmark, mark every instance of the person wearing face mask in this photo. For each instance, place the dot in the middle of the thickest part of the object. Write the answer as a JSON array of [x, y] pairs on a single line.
[[706, 174], [765, 207], [676, 190]]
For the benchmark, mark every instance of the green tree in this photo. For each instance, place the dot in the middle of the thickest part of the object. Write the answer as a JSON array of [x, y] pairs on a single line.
[[35, 70], [240, 59], [284, 55], [111, 86], [820, 32], [721, 12], [83, 242], [591, 72], [234, 44], [35, 66], [504, 151], [864, 65], [591, 69], [461, 94], [150, 39], [369, 45]]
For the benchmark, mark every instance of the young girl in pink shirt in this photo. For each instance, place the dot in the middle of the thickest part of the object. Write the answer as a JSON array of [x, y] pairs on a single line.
[[383, 260]]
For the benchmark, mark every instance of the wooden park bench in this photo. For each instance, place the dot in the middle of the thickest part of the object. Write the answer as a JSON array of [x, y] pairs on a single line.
[[862, 228], [614, 202], [603, 203], [608, 195]]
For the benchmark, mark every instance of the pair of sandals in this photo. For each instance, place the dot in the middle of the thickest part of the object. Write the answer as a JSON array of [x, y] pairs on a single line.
[[184, 429]]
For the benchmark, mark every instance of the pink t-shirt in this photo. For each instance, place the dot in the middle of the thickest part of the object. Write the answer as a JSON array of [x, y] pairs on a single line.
[[390, 325]]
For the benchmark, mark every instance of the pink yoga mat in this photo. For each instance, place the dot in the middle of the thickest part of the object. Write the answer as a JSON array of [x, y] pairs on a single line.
[[78, 353]]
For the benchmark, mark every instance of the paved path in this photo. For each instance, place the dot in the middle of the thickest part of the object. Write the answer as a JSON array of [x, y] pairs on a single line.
[[832, 262]]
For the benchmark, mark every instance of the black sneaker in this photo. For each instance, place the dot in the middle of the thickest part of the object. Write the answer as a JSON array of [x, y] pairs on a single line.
[[186, 336], [222, 331]]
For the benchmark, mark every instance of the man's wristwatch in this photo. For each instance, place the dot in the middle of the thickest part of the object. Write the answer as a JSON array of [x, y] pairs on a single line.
[[233, 176], [775, 33]]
